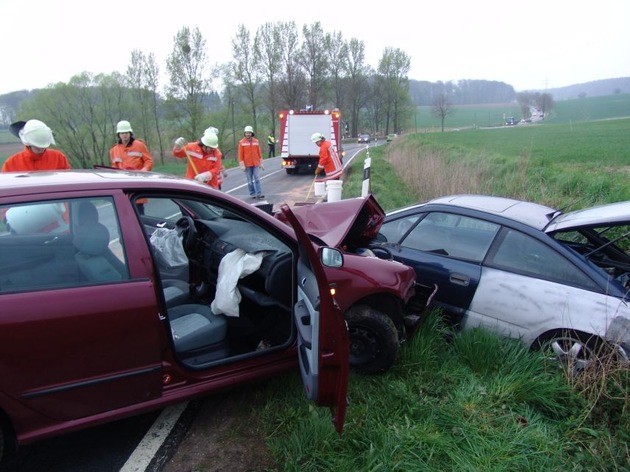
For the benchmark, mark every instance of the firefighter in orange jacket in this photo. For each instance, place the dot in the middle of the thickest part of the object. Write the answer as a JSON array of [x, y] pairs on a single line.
[[329, 160], [37, 155], [37, 138], [129, 152], [250, 161], [205, 160]]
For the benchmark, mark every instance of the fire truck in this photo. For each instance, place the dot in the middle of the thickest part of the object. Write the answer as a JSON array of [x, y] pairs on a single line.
[[297, 127]]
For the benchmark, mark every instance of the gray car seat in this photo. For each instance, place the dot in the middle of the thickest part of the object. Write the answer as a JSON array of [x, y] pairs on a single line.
[[198, 332], [93, 257]]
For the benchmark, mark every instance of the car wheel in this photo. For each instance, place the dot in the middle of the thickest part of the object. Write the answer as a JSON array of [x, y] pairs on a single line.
[[373, 339], [573, 352]]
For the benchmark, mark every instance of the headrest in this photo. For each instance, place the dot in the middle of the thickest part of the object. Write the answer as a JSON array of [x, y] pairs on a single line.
[[87, 213], [91, 239]]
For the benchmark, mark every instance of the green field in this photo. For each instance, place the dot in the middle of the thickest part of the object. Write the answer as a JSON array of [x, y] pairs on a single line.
[[566, 111]]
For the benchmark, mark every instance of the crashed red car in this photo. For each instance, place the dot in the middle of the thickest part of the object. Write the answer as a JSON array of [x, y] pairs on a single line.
[[123, 292], [377, 294]]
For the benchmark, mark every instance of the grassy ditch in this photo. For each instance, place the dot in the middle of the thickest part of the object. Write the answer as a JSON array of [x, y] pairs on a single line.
[[474, 401]]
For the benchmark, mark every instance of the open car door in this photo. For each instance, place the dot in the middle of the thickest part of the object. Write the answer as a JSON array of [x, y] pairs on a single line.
[[323, 348]]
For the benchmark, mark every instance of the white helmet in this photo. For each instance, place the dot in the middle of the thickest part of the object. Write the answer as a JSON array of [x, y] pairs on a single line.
[[249, 129], [317, 137], [36, 133], [210, 140], [212, 130], [123, 127]]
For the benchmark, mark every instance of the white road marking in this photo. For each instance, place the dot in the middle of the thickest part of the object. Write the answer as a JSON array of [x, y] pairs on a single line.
[[157, 434]]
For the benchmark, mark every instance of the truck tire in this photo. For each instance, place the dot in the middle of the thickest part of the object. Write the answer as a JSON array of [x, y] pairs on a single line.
[[373, 340]]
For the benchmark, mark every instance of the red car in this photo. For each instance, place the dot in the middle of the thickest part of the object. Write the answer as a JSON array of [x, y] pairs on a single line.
[[123, 292]]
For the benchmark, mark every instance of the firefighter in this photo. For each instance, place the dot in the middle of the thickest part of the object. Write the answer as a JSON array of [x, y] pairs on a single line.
[[223, 174], [250, 161], [271, 142], [204, 159], [36, 155], [129, 152], [329, 161]]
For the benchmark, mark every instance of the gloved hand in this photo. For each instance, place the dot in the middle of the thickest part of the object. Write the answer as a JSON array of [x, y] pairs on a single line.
[[318, 170], [180, 142], [204, 176], [262, 167], [241, 164]]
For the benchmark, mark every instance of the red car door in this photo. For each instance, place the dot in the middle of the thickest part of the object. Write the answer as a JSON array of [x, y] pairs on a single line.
[[323, 348]]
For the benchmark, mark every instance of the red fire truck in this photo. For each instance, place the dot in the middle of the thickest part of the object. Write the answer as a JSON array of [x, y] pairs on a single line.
[[297, 127]]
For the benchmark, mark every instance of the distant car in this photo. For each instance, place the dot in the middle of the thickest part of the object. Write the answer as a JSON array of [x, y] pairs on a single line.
[[511, 121], [391, 137], [523, 270], [364, 138], [123, 292]]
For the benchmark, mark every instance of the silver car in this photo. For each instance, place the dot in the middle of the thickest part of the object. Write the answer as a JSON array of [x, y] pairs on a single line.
[[527, 271]]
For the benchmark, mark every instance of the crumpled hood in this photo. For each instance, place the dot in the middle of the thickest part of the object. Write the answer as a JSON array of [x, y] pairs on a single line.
[[354, 221]]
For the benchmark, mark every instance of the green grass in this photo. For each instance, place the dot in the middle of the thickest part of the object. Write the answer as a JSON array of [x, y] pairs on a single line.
[[565, 111], [472, 403]]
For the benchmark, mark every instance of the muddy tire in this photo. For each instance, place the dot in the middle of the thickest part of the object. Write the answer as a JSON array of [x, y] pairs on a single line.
[[373, 339]]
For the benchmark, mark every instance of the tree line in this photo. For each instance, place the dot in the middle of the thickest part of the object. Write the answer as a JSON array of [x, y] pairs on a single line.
[[278, 66], [275, 67]]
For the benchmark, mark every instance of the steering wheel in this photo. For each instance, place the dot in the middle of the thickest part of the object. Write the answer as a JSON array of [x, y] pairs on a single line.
[[186, 228]]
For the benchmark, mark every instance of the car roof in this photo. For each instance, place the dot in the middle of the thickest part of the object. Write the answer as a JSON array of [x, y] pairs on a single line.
[[605, 214], [531, 214], [31, 183], [538, 216]]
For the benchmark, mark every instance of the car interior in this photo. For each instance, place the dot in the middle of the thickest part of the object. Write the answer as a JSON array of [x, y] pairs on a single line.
[[50, 245], [221, 311]]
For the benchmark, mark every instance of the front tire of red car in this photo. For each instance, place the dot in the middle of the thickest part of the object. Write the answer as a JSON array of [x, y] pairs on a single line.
[[373, 338]]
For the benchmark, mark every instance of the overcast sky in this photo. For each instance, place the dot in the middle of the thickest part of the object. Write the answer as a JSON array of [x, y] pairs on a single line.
[[533, 44]]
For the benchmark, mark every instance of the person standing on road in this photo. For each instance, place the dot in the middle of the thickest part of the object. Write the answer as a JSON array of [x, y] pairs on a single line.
[[204, 159], [271, 142], [130, 153], [329, 161], [250, 161], [36, 155]]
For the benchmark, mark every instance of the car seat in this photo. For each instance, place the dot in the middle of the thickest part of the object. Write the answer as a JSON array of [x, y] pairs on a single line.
[[198, 332]]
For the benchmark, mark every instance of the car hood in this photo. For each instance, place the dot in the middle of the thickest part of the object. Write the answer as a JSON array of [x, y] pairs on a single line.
[[612, 213], [354, 221]]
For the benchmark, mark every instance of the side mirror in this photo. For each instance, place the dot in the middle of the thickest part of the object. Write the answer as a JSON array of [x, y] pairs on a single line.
[[331, 257]]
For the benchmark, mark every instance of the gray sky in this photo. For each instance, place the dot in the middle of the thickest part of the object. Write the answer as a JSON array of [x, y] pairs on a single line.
[[534, 44]]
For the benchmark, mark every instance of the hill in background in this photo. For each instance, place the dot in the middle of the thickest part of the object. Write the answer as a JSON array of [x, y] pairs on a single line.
[[476, 92], [596, 88]]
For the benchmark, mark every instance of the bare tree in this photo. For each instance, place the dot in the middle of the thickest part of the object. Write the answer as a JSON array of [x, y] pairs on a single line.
[[292, 82], [393, 69], [315, 61], [189, 80], [545, 103], [246, 69], [442, 108], [269, 50], [357, 86], [143, 80], [338, 62]]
